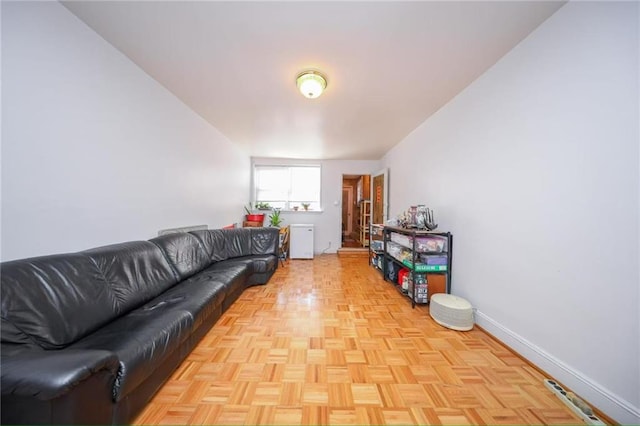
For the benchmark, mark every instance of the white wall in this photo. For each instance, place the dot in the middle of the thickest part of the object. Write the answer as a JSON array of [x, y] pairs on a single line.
[[535, 170], [94, 151], [328, 222]]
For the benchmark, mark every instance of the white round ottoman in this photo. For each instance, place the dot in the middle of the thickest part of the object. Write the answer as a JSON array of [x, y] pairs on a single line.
[[451, 311]]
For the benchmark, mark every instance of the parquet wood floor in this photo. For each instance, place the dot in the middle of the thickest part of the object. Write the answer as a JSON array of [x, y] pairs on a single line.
[[328, 341]]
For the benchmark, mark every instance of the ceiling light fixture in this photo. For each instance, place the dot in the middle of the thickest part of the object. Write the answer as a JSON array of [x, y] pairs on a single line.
[[311, 84]]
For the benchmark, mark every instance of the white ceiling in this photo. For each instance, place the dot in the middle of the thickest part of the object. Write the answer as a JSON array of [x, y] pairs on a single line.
[[389, 65]]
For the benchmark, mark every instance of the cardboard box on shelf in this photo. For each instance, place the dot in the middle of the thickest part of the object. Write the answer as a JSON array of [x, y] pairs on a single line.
[[437, 283]]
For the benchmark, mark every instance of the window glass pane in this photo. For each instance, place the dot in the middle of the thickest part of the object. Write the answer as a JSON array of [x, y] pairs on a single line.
[[271, 184], [287, 186], [270, 179], [305, 184], [268, 195]]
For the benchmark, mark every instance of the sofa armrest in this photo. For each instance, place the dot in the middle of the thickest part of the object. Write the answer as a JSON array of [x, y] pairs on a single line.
[[46, 375]]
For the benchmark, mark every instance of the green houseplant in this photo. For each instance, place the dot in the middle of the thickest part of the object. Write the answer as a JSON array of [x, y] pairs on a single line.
[[274, 219]]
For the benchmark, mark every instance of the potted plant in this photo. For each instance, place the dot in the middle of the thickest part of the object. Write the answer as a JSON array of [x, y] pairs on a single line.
[[253, 217], [274, 218], [263, 206], [306, 206]]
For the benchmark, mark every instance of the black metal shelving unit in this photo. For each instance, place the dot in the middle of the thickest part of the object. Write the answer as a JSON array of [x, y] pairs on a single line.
[[415, 265], [376, 251]]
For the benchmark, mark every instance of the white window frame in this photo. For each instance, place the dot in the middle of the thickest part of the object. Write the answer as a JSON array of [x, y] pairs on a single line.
[[316, 205]]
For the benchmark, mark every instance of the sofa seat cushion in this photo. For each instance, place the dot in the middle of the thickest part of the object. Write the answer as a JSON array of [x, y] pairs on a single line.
[[232, 274], [264, 263], [141, 340], [201, 296], [236, 277]]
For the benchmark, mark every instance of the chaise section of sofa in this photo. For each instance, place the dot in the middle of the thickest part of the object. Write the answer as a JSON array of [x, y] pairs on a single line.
[[89, 337]]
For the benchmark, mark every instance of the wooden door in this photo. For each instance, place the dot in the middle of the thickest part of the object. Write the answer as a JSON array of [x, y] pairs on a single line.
[[379, 198]]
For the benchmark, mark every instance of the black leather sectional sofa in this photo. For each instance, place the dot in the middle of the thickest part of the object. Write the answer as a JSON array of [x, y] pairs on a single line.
[[89, 337]]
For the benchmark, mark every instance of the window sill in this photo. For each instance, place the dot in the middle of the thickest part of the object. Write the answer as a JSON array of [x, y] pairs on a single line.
[[302, 211]]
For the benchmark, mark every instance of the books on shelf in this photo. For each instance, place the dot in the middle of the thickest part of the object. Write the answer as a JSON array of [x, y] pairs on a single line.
[[421, 267]]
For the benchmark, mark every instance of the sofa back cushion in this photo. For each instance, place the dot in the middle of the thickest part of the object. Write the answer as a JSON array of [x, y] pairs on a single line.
[[213, 241], [53, 300], [136, 272], [184, 252], [237, 242], [222, 244], [264, 240]]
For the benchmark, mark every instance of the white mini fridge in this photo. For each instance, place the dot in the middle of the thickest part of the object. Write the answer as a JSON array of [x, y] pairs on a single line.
[[301, 241]]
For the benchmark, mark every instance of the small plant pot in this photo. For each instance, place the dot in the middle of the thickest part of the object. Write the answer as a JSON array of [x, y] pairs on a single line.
[[255, 217], [295, 208]]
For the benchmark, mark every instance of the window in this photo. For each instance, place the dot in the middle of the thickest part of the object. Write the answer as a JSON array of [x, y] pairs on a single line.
[[288, 187]]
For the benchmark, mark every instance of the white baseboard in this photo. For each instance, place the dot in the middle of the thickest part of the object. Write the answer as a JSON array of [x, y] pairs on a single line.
[[610, 404]]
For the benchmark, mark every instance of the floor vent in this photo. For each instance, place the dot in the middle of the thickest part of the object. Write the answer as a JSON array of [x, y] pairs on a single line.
[[577, 405]]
